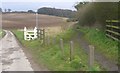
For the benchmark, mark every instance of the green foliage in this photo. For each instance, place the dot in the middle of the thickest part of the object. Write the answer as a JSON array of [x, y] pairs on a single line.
[[76, 62], [52, 57], [56, 12], [118, 54], [80, 5], [96, 13], [31, 11], [104, 12], [67, 35], [2, 33], [105, 45], [20, 35]]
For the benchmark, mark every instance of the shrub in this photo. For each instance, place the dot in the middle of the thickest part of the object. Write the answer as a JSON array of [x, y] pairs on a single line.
[[97, 12], [76, 63]]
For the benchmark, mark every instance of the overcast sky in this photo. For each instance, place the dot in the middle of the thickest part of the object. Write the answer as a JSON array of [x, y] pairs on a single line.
[[20, 5], [24, 5], [43, 0], [35, 5]]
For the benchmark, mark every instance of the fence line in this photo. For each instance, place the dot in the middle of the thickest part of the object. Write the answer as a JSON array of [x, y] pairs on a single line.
[[71, 48], [112, 29], [34, 34]]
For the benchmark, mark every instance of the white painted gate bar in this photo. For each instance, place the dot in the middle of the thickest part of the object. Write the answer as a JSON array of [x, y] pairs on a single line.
[[30, 34]]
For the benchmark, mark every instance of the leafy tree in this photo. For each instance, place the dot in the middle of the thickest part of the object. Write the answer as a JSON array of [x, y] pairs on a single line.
[[80, 5], [106, 10], [96, 13], [31, 11], [9, 10], [5, 10]]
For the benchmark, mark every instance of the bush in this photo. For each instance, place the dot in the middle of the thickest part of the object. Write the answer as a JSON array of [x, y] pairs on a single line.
[[86, 16], [76, 63], [99, 12]]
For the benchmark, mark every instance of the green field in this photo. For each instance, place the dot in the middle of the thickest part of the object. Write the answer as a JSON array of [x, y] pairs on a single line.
[[52, 57], [106, 46]]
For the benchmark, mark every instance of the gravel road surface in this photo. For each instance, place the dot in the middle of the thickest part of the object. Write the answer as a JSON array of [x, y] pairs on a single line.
[[12, 55]]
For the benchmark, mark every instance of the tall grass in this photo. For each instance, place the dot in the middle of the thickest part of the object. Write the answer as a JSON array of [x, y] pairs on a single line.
[[102, 44]]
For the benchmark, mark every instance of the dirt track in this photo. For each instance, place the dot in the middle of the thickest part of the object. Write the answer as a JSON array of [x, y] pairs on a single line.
[[100, 58], [13, 57]]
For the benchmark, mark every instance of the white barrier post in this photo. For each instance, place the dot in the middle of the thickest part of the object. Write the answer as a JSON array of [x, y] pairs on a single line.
[[35, 32], [30, 34], [25, 33]]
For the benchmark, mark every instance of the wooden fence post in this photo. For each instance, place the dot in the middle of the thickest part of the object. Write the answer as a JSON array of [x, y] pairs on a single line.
[[25, 29], [54, 40], [61, 47], [41, 34], [44, 36], [48, 40], [71, 50], [91, 56]]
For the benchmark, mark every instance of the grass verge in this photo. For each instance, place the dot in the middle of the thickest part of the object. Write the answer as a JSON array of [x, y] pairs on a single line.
[[105, 45], [52, 57], [2, 33]]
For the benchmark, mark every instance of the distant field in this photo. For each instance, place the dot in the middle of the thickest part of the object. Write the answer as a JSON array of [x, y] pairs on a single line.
[[20, 20]]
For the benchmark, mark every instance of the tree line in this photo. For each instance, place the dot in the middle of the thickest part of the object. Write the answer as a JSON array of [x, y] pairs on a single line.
[[47, 11], [5, 10], [56, 12]]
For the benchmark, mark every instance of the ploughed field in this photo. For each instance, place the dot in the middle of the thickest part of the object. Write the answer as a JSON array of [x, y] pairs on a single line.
[[20, 20]]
